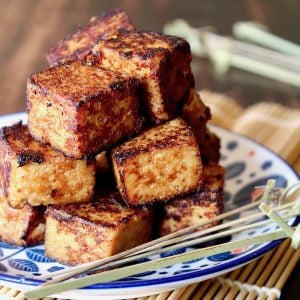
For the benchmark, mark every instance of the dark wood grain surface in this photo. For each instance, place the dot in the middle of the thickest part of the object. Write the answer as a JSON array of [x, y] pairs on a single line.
[[28, 27]]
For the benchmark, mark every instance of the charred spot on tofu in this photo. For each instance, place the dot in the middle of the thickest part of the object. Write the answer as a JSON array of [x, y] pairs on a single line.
[[34, 173], [28, 155], [77, 45], [91, 109], [161, 62], [159, 164], [86, 232]]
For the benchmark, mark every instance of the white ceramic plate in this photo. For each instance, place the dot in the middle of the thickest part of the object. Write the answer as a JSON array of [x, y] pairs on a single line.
[[247, 163]]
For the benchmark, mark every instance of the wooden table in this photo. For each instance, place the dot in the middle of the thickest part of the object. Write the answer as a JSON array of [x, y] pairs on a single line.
[[28, 27]]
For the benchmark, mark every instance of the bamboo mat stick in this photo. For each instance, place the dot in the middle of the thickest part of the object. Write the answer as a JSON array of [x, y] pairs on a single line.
[[286, 149], [163, 296], [288, 134], [12, 293], [272, 278], [260, 279], [4, 290], [20, 296], [280, 267], [216, 285], [277, 272], [177, 294], [212, 290], [224, 288], [257, 128], [288, 269], [224, 109], [260, 266], [189, 290], [245, 273], [203, 287]]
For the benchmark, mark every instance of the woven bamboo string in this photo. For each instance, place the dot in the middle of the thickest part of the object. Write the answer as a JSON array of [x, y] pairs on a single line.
[[273, 269], [242, 278]]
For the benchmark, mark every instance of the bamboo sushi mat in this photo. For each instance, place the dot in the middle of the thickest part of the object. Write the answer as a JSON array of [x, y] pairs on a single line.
[[278, 128]]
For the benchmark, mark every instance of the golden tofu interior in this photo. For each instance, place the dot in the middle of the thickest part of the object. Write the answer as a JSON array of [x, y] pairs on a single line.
[[77, 45], [81, 110], [200, 206], [159, 164], [86, 232], [21, 227], [160, 62], [33, 173]]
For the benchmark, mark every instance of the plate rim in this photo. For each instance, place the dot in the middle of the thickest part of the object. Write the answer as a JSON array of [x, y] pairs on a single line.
[[175, 278]]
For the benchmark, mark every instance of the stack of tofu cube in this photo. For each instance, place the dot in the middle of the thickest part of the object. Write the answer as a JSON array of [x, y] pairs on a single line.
[[124, 99]]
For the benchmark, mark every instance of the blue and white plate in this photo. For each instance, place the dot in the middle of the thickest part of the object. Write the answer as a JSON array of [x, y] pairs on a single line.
[[247, 163]]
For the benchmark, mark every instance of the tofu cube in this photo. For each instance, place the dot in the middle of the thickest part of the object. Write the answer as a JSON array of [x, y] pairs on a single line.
[[161, 62], [86, 232], [21, 227], [80, 110], [196, 114], [33, 173], [214, 177], [161, 163], [210, 145], [77, 45], [196, 207]]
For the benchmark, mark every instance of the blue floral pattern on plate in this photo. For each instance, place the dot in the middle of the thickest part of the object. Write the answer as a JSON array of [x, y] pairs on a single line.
[[247, 164]]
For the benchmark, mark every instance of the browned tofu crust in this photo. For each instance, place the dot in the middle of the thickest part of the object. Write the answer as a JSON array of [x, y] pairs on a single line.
[[81, 233], [34, 173], [77, 45], [214, 177], [210, 146], [196, 114], [21, 227], [161, 62], [196, 207], [159, 164], [81, 110], [190, 210]]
